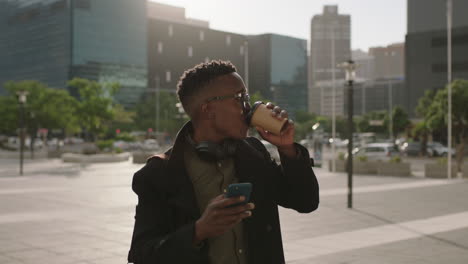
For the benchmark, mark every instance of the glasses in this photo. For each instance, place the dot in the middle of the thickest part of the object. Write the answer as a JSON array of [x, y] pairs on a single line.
[[243, 98]]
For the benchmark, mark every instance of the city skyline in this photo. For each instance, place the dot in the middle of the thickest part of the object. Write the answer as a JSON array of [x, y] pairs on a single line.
[[367, 18]]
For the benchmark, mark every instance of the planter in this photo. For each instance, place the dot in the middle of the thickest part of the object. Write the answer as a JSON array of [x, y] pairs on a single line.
[[96, 158], [434, 170], [365, 167], [340, 165], [141, 157], [359, 167], [465, 170], [394, 169]]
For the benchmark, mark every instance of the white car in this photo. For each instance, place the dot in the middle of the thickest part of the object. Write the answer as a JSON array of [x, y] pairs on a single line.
[[378, 151], [438, 149]]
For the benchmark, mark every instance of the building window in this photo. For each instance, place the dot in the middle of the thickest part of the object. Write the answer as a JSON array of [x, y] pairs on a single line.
[[228, 40], [190, 51], [160, 47], [57, 6], [168, 76], [83, 4], [171, 31], [202, 35]]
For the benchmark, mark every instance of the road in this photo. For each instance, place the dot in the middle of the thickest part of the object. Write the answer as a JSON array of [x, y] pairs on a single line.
[[78, 213]]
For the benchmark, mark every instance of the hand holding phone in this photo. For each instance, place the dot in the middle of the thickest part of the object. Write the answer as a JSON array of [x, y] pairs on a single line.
[[239, 189]]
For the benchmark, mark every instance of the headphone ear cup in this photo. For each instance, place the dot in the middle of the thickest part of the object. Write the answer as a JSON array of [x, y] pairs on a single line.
[[213, 152], [229, 147], [209, 151]]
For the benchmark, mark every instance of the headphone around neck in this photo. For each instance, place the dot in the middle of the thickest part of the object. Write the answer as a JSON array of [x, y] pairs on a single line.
[[210, 151]]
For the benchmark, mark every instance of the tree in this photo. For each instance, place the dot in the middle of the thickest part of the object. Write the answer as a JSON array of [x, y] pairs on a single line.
[[96, 107], [422, 130], [400, 120], [303, 123], [170, 119], [45, 108], [436, 115]]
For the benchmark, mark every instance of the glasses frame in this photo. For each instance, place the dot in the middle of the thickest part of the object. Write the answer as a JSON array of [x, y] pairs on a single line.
[[242, 97]]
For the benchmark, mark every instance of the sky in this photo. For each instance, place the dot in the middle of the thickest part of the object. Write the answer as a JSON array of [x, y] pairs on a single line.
[[373, 22]]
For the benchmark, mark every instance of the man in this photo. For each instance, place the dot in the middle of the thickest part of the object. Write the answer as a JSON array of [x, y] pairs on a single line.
[[182, 215]]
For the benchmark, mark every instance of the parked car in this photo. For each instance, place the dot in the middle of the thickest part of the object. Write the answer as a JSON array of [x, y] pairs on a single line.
[[411, 148], [377, 151], [438, 149]]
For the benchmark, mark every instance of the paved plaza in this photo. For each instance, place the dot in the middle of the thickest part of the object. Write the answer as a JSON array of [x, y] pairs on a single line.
[[83, 213]]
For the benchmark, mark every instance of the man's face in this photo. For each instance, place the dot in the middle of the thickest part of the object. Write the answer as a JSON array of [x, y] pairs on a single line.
[[228, 115]]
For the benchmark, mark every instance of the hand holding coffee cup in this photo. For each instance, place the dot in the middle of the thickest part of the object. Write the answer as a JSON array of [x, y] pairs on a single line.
[[273, 125]]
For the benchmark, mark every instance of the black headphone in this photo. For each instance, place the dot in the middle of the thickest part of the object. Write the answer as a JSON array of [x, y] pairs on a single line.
[[211, 151]]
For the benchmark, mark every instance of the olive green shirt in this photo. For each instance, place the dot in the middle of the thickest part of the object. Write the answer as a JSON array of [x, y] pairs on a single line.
[[211, 179]]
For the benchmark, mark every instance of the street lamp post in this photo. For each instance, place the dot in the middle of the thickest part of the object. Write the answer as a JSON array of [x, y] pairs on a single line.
[[22, 100], [156, 124], [449, 79], [350, 68], [333, 63]]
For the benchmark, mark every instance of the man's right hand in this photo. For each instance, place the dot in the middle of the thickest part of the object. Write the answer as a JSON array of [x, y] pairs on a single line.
[[219, 218]]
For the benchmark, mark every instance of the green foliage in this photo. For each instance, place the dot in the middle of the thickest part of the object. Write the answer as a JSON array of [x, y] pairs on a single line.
[[395, 159], [400, 120], [124, 136], [9, 113], [420, 129], [257, 96], [105, 144], [170, 120], [436, 115], [44, 108], [118, 150], [341, 156], [95, 109], [304, 116], [424, 103], [362, 158], [442, 161]]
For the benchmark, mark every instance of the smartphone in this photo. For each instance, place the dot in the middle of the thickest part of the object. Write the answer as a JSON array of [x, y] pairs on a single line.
[[239, 189]]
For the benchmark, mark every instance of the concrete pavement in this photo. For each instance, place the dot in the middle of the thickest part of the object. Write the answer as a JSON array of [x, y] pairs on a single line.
[[78, 213]]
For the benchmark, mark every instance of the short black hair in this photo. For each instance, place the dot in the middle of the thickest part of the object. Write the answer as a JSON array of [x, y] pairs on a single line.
[[193, 80]]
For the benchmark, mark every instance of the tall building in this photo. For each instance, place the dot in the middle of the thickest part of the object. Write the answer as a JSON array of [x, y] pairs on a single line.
[[380, 84], [426, 46], [365, 62], [175, 47], [53, 41], [389, 61], [173, 14], [278, 70], [330, 38]]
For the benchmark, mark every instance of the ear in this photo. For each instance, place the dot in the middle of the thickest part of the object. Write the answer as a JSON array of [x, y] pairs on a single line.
[[206, 112]]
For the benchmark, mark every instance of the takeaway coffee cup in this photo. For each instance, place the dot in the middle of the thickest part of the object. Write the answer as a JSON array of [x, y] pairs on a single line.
[[260, 116]]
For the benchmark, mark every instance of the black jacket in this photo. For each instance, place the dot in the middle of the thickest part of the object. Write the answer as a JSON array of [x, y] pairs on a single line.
[[167, 207]]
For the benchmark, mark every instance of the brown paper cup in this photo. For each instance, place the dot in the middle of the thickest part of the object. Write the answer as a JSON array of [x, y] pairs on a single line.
[[262, 118]]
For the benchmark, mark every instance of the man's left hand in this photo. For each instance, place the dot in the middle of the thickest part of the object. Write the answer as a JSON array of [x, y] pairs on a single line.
[[285, 141]]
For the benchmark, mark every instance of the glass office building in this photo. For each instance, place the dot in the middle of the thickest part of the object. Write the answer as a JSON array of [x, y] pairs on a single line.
[[279, 70], [53, 41]]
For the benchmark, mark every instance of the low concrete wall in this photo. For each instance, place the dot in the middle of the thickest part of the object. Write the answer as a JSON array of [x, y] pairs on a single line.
[[394, 169], [38, 154], [340, 165], [141, 157], [359, 167], [465, 170], [434, 170], [95, 158]]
